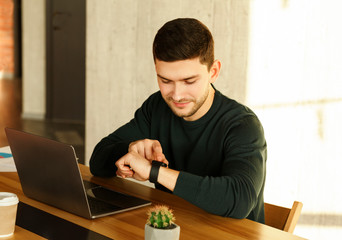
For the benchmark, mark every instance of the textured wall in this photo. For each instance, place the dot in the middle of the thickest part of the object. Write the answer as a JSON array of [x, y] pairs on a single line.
[[33, 41]]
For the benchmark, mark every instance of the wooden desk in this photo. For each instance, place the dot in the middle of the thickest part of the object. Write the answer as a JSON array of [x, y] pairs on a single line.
[[194, 222]]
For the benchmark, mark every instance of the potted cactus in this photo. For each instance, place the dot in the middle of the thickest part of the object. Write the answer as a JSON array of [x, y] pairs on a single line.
[[160, 224]]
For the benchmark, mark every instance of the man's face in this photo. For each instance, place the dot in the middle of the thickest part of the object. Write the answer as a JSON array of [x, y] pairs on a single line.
[[185, 86]]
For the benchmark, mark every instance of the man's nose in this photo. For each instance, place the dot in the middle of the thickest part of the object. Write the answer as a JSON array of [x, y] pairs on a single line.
[[177, 93]]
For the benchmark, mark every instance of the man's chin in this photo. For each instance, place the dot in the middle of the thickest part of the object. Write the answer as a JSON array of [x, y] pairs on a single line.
[[179, 112], [182, 113]]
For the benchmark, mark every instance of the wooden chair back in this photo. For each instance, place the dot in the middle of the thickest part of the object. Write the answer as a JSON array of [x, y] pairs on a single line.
[[281, 217]]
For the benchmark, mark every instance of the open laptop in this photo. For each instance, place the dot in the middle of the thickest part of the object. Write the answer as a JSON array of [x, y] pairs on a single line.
[[48, 171]]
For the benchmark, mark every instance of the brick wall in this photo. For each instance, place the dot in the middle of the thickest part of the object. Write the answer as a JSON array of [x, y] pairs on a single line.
[[6, 39]]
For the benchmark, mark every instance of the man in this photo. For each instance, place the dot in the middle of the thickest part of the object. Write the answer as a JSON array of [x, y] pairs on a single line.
[[214, 147]]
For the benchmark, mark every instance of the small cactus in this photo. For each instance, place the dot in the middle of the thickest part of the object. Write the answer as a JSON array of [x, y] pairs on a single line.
[[160, 217]]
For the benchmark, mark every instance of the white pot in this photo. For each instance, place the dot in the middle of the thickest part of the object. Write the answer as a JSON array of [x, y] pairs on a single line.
[[152, 233]]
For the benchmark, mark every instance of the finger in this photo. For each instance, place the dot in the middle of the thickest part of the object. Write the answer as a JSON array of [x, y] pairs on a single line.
[[157, 151], [159, 155], [149, 149], [124, 174], [141, 152], [162, 158], [123, 164], [137, 147], [120, 174], [132, 147], [156, 146], [148, 153]]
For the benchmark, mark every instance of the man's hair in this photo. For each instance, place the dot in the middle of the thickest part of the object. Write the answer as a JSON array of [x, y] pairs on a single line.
[[184, 38]]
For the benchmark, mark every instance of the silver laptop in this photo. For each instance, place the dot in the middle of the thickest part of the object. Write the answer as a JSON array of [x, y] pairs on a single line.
[[48, 171]]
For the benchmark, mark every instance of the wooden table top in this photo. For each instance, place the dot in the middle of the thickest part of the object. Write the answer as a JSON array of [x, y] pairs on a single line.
[[195, 223]]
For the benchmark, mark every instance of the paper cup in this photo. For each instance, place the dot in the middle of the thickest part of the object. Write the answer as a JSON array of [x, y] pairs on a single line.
[[8, 213]]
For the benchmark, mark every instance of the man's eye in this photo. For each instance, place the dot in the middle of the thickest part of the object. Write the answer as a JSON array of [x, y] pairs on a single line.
[[165, 81], [190, 82]]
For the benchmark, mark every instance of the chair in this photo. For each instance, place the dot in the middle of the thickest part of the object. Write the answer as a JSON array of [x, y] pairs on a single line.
[[283, 218]]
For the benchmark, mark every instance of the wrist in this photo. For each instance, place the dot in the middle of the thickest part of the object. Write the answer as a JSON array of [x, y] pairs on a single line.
[[168, 178]]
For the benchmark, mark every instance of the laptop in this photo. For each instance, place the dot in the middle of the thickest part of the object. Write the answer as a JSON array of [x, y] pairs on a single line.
[[48, 172]]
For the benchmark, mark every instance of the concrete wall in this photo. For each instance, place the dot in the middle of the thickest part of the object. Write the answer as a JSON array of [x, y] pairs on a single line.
[[33, 57]]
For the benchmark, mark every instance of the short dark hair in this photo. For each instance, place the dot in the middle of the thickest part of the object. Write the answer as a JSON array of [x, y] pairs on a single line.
[[184, 38]]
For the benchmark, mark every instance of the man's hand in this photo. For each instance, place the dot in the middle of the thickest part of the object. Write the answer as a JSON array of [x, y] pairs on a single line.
[[137, 163], [133, 165], [148, 149]]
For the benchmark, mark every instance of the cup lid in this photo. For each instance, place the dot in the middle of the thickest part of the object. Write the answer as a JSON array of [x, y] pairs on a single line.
[[7, 199]]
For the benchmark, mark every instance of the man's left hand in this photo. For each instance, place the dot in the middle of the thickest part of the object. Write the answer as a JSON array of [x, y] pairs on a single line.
[[133, 165]]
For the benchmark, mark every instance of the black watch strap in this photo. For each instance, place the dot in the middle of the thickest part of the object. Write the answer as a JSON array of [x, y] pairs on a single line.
[[155, 170]]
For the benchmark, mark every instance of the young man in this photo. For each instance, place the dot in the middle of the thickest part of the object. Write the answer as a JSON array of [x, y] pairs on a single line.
[[214, 147]]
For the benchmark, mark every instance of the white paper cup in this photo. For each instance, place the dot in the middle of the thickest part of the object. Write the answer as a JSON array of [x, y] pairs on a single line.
[[8, 213]]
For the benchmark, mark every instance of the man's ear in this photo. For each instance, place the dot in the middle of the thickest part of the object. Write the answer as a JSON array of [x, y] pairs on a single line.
[[215, 71]]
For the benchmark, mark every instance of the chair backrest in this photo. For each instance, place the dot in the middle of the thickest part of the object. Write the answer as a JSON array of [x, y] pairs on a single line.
[[283, 218]]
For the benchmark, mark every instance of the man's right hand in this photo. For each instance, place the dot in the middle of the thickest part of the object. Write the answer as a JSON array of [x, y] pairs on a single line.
[[137, 163], [149, 149]]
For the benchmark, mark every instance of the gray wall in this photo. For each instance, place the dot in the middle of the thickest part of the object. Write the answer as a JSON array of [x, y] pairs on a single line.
[[33, 41]]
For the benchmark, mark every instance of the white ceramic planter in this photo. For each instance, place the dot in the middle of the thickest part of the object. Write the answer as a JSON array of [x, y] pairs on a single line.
[[152, 233]]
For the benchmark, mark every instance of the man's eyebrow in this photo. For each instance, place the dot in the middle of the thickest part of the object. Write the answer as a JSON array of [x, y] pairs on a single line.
[[163, 77], [191, 77], [184, 79]]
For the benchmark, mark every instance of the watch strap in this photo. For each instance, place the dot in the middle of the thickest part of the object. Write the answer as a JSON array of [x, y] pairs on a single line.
[[155, 171]]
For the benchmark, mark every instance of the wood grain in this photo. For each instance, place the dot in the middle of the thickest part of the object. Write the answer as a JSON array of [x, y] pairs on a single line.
[[23, 234], [194, 222]]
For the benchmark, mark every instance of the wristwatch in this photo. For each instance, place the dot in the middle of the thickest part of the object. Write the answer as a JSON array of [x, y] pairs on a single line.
[[155, 170]]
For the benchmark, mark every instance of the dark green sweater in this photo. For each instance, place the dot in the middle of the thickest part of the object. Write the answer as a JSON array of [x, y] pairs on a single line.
[[221, 156]]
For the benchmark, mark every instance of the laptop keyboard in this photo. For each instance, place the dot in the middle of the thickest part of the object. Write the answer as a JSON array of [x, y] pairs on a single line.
[[99, 207], [102, 199]]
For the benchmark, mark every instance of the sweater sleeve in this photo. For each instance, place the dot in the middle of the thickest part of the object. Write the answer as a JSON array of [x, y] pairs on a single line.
[[235, 193], [114, 146]]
